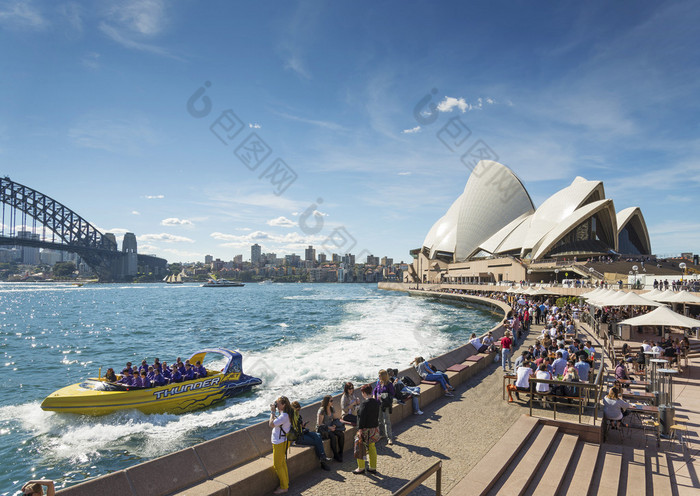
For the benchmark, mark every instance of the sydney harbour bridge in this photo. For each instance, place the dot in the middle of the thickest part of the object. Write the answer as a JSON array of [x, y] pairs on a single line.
[[30, 218]]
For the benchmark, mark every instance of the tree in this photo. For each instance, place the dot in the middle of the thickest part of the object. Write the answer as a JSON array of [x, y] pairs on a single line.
[[64, 269]]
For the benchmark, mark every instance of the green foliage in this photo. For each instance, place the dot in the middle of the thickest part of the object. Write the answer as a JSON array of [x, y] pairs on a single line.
[[564, 300], [64, 269]]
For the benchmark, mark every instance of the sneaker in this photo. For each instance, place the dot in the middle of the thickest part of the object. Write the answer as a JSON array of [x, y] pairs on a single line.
[[390, 442], [372, 470], [324, 465], [358, 471], [418, 412], [329, 459], [449, 394]]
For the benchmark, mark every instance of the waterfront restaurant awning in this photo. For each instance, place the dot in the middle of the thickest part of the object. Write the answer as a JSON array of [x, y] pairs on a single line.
[[662, 316], [628, 300], [683, 297], [663, 296]]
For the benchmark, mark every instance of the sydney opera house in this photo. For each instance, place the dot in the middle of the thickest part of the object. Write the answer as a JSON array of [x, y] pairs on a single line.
[[493, 232]]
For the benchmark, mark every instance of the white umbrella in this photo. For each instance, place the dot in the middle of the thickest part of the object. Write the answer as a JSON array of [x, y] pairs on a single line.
[[603, 296], [664, 296], [651, 294], [662, 316], [542, 292], [591, 294], [630, 299], [683, 297]]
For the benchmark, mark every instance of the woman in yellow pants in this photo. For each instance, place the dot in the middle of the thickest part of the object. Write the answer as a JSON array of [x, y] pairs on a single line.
[[280, 427], [368, 429]]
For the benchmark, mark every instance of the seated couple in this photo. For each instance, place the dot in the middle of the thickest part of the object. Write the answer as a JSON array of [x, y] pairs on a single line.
[[429, 373]]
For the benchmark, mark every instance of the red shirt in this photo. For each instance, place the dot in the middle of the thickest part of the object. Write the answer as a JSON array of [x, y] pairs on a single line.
[[506, 342]]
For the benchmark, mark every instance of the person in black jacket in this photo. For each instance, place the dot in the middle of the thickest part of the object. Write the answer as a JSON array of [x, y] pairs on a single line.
[[368, 429]]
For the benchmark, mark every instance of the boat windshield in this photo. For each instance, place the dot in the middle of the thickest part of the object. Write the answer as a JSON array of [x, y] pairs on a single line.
[[97, 385]]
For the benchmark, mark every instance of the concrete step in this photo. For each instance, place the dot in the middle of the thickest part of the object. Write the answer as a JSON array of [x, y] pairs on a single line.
[[579, 475], [484, 475], [633, 474], [524, 467], [606, 478], [550, 476], [658, 473]]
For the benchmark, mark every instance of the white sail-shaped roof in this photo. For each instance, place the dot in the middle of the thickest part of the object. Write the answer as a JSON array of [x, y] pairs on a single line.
[[492, 198], [559, 206], [572, 220], [633, 216]]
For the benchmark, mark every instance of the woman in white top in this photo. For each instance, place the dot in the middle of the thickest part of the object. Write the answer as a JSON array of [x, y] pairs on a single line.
[[281, 425], [615, 408], [542, 373], [476, 343]]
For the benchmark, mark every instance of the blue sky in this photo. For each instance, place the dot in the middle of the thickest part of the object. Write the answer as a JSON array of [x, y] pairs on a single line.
[[95, 114]]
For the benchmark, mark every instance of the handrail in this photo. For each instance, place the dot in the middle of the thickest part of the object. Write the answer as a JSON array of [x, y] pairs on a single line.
[[410, 486]]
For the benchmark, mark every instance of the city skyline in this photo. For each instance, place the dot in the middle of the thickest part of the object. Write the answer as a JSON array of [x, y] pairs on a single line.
[[204, 129]]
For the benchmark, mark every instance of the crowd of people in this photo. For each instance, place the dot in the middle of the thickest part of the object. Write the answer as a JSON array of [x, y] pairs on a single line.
[[370, 412], [157, 374]]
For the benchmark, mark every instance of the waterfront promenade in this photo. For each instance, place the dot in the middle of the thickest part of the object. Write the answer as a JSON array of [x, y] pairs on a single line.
[[459, 431]]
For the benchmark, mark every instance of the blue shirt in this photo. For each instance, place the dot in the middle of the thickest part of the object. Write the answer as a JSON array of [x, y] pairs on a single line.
[[583, 369], [559, 366], [159, 380], [176, 377]]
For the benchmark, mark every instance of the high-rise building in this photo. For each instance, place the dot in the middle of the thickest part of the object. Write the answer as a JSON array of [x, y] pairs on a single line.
[[335, 258], [255, 252], [30, 254], [238, 259], [372, 260], [387, 262], [321, 258], [310, 254], [208, 259], [349, 259]]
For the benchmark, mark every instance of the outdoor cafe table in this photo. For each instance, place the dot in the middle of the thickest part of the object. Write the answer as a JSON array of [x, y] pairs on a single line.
[[629, 382], [649, 411], [638, 396], [507, 377]]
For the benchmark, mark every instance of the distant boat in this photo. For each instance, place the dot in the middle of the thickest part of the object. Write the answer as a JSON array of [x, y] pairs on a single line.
[[266, 281], [173, 279], [221, 283]]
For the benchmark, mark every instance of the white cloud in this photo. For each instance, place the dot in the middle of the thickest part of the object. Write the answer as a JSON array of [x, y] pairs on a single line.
[[91, 60], [135, 212], [174, 221], [325, 124], [154, 197], [21, 14], [296, 64], [412, 130], [133, 23], [449, 103], [165, 237], [405, 173], [281, 222], [254, 125]]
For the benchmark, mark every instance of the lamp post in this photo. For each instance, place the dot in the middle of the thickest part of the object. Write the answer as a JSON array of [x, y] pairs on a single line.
[[682, 266], [556, 276], [529, 273], [590, 271], [636, 270]]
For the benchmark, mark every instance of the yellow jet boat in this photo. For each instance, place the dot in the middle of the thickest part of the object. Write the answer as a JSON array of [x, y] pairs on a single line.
[[96, 396]]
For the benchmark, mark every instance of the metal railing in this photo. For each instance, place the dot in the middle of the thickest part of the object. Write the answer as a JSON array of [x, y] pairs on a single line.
[[435, 468]]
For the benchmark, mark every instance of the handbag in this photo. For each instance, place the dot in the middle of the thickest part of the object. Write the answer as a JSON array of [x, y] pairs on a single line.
[[323, 431], [339, 426], [359, 450]]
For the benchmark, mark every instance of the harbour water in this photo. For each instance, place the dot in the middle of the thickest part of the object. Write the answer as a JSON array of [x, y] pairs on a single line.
[[302, 340]]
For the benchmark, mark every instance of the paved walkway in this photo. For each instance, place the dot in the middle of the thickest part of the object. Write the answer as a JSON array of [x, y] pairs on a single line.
[[458, 431]]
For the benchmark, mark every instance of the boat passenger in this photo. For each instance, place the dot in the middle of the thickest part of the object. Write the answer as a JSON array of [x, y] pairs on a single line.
[[166, 371], [175, 375], [145, 382], [144, 366], [189, 374], [201, 369], [128, 367], [158, 379], [151, 373], [110, 376], [157, 365], [127, 378], [137, 382]]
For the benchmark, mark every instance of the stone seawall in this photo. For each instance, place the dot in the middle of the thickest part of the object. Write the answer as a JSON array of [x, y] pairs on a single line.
[[240, 463]]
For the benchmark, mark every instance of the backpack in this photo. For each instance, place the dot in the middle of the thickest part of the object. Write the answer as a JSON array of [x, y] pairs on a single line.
[[408, 381], [295, 432]]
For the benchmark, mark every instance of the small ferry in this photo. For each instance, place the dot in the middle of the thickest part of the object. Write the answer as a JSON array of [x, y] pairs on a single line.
[[221, 283], [97, 396]]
